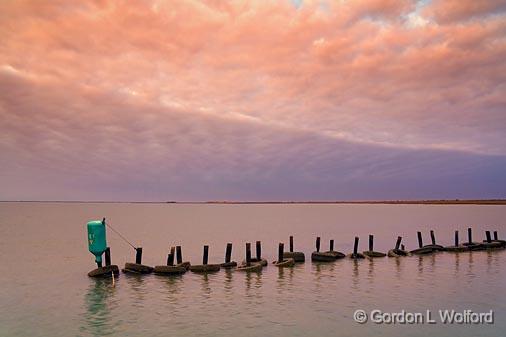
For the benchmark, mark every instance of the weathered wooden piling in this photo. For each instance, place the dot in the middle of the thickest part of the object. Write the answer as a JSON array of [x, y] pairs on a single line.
[[248, 254], [179, 255], [371, 253], [421, 249], [179, 258], [247, 265], [470, 244], [258, 258], [228, 253], [228, 258], [398, 243], [138, 255], [489, 244], [356, 254], [434, 246], [337, 255], [107, 256], [457, 247], [205, 257], [205, 267], [137, 267], [318, 256], [296, 256], [282, 262], [170, 260], [170, 268], [496, 239], [396, 252]]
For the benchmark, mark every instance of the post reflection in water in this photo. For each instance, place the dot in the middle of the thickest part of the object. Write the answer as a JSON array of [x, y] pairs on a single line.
[[171, 288], [457, 263], [355, 276], [137, 284], [205, 287], [99, 302], [370, 271], [253, 280], [284, 280], [228, 282]]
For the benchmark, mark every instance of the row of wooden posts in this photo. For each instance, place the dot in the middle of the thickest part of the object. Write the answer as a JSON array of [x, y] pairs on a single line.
[[176, 265]]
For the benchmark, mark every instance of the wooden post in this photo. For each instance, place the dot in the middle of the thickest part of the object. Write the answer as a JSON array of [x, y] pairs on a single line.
[[259, 250], [432, 237], [489, 239], [138, 255], [280, 252], [402, 247], [205, 258], [420, 242], [228, 253], [398, 243], [248, 254], [107, 256], [318, 244], [469, 235], [495, 236], [291, 244], [355, 246], [170, 259], [371, 242], [331, 245], [456, 238], [179, 255]]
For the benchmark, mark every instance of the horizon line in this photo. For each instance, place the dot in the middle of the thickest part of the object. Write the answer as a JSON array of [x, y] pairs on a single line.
[[224, 202]]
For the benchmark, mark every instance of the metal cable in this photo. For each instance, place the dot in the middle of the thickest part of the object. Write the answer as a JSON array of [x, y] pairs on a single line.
[[121, 236]]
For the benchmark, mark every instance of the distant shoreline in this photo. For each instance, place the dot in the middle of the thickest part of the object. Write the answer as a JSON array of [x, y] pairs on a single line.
[[386, 202]]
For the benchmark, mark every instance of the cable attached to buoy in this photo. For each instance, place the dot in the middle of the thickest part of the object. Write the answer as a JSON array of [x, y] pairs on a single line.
[[119, 234]]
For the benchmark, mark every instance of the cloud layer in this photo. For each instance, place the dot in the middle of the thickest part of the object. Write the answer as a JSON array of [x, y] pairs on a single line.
[[263, 100]]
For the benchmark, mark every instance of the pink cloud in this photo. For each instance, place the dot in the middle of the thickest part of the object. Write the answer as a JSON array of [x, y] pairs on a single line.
[[156, 79], [449, 11]]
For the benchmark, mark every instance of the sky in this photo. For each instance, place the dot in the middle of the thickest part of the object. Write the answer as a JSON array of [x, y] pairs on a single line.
[[259, 100]]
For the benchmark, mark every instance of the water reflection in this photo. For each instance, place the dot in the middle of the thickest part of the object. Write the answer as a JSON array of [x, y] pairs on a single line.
[[370, 271], [171, 289], [228, 282], [355, 276], [285, 277], [99, 301], [205, 287], [137, 284]]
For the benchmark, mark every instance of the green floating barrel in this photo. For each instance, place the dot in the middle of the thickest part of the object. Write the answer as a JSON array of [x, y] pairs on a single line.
[[96, 239]]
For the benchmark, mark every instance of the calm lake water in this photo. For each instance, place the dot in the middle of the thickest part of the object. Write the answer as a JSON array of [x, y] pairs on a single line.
[[44, 289]]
